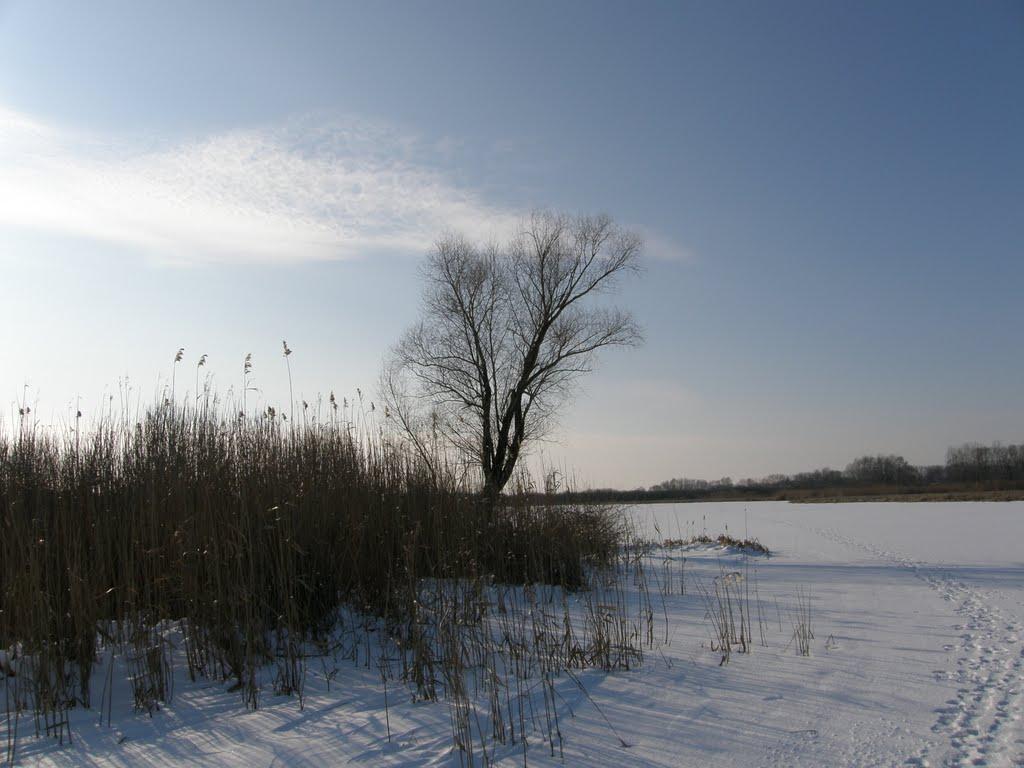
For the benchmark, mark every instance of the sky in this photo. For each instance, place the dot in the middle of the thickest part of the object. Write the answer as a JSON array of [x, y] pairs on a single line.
[[831, 195]]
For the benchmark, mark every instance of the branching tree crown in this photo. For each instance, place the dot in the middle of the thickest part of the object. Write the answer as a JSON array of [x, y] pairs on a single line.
[[503, 335]]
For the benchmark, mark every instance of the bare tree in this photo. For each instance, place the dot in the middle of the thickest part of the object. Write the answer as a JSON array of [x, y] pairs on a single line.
[[504, 334]]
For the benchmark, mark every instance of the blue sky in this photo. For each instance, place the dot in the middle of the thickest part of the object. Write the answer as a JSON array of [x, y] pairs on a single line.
[[832, 196]]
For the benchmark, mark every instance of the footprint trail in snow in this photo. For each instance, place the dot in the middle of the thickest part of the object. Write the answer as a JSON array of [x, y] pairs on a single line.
[[982, 725]]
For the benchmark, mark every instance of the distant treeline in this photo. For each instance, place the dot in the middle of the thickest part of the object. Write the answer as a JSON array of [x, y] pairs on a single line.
[[971, 466]]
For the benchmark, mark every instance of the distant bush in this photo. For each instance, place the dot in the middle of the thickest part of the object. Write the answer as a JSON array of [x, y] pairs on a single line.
[[970, 466]]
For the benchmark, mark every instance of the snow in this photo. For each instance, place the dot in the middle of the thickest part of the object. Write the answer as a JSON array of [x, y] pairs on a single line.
[[917, 659]]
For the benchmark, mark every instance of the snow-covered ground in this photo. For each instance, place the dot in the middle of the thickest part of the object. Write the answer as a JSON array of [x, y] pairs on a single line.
[[917, 659]]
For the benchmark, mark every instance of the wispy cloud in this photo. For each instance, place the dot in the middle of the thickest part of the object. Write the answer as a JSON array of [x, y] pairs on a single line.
[[292, 193], [306, 190], [658, 247]]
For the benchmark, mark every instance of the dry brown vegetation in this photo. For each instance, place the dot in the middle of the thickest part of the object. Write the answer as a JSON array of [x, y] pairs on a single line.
[[748, 546], [258, 545]]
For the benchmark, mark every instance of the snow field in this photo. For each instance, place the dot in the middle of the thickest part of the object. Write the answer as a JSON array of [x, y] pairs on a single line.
[[917, 613]]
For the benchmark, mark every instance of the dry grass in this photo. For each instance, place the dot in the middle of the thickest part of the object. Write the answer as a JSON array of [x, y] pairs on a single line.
[[744, 546], [803, 632], [258, 541]]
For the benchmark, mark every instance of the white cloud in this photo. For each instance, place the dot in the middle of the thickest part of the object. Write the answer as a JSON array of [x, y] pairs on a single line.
[[663, 249], [290, 194], [297, 192]]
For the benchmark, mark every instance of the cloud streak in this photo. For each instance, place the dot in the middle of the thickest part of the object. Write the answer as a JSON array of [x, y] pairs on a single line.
[[282, 195], [301, 191]]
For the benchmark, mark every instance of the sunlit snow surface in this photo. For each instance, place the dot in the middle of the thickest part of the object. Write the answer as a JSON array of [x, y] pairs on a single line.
[[917, 659]]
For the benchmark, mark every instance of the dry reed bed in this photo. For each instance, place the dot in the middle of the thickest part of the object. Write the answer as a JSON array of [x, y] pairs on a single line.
[[257, 545]]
